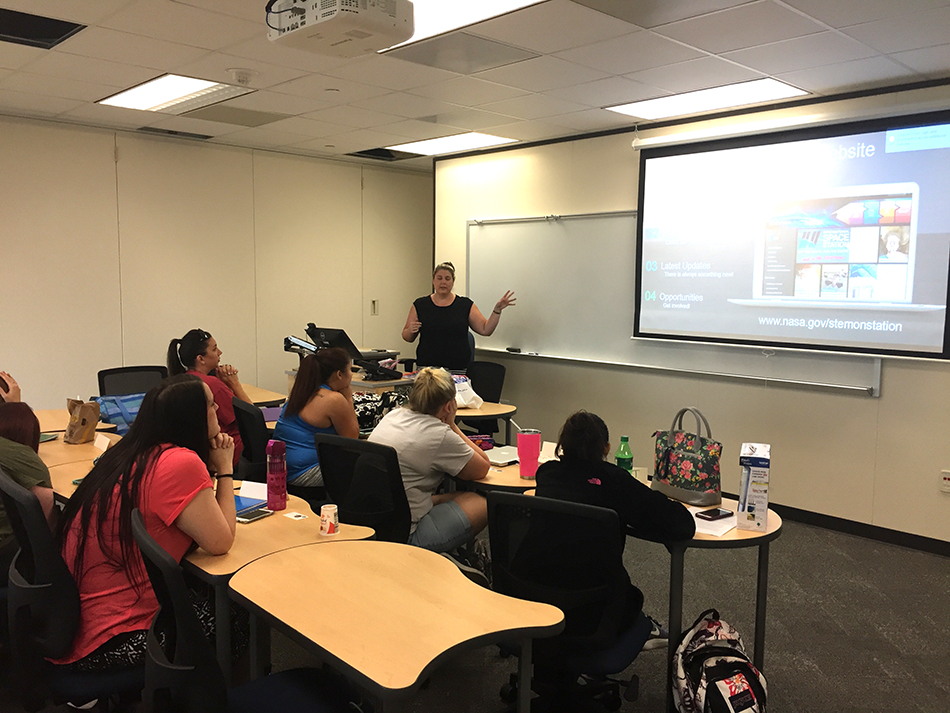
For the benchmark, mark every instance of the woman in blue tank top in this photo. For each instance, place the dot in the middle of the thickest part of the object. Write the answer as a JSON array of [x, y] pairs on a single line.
[[321, 401]]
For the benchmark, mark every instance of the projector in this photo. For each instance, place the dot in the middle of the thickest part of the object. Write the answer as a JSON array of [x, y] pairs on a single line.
[[339, 28]]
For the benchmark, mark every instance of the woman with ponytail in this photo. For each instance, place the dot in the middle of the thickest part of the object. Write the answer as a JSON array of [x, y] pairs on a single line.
[[321, 401], [197, 353]]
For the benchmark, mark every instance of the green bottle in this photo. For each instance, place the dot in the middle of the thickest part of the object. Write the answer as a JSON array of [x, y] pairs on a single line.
[[624, 456]]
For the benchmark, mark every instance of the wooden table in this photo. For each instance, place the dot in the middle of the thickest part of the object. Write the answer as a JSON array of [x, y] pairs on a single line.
[[63, 475], [54, 420], [508, 477], [263, 397], [57, 452], [732, 539], [251, 542], [385, 614], [490, 409]]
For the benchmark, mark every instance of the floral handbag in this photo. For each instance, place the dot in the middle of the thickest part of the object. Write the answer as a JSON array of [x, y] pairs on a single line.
[[686, 466]]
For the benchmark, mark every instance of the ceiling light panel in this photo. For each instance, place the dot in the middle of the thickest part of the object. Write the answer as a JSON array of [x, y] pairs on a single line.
[[704, 100], [452, 144], [173, 94], [435, 17]]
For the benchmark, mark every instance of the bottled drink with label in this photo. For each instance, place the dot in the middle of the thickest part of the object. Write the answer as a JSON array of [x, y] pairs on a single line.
[[624, 456], [276, 475]]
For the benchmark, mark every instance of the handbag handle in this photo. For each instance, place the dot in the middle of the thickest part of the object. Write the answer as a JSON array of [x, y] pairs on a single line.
[[700, 422]]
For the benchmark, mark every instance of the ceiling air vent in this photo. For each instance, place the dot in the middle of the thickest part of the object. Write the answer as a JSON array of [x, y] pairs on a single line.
[[34, 30], [384, 154], [176, 134]]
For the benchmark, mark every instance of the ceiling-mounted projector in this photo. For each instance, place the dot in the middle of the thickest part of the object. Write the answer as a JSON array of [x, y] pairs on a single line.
[[339, 28]]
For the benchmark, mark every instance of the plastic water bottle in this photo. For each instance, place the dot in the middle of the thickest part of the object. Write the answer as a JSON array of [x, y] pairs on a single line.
[[276, 475], [624, 456]]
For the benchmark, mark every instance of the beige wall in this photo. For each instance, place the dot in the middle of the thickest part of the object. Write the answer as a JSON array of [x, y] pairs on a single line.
[[872, 460], [112, 243]]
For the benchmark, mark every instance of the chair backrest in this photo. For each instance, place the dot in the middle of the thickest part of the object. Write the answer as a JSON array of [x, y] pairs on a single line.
[[130, 379], [253, 430], [365, 482], [488, 379], [181, 672], [562, 553], [43, 600]]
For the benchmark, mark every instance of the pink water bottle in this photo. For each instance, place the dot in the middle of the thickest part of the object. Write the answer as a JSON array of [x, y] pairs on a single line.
[[276, 475]]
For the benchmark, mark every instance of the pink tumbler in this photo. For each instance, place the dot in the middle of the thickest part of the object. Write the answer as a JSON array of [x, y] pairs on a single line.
[[276, 475], [529, 450]]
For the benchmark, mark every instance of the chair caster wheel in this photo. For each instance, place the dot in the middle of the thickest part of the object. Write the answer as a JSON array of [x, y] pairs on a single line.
[[509, 691]]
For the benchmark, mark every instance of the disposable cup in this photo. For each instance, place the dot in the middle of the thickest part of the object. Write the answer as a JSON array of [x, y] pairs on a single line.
[[529, 450]]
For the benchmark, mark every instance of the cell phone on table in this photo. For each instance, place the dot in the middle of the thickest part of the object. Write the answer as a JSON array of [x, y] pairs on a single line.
[[254, 515], [713, 514]]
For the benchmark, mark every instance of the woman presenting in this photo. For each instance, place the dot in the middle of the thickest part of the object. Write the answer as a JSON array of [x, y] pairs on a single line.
[[441, 321]]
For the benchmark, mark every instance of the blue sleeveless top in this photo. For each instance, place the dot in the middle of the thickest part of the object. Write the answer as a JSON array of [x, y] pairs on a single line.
[[298, 435]]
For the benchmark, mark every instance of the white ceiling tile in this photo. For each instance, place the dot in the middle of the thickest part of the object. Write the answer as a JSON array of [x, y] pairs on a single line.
[[390, 73], [279, 103], [184, 24], [415, 130], [352, 117], [252, 10], [22, 104], [842, 13], [530, 131], [651, 13], [71, 66], [309, 128], [541, 73], [330, 90], [859, 74], [263, 137], [195, 126], [744, 26], [85, 12], [471, 119], [932, 61], [801, 53], [551, 27], [592, 120], [605, 92], [115, 116], [263, 50], [330, 147], [467, 91], [907, 32], [127, 48], [630, 53], [695, 74], [214, 67], [368, 139], [534, 106], [56, 87], [14, 56], [405, 105]]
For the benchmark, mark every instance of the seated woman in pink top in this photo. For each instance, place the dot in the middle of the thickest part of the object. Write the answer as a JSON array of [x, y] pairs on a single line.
[[165, 466], [197, 353]]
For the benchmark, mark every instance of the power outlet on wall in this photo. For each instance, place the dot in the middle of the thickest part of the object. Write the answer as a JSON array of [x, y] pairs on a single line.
[[945, 481]]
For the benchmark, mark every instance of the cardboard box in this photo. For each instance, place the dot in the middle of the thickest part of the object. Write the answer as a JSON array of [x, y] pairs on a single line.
[[753, 510]]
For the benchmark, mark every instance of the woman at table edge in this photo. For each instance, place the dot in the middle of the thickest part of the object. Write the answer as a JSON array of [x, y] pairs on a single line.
[[197, 353], [163, 467], [441, 321], [19, 459], [430, 445], [321, 401]]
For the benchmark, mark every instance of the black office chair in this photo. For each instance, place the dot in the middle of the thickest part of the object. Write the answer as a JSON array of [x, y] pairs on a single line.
[[365, 482], [488, 379], [253, 462], [43, 611], [569, 555], [130, 379], [182, 674]]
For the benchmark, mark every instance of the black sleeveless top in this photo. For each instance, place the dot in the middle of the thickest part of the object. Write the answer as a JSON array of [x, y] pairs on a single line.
[[443, 338]]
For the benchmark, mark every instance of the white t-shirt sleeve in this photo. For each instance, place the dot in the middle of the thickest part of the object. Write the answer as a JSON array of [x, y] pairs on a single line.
[[452, 454]]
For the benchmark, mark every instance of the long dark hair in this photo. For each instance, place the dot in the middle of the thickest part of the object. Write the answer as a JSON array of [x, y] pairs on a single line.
[[18, 423], [315, 369], [583, 436], [174, 412], [184, 352]]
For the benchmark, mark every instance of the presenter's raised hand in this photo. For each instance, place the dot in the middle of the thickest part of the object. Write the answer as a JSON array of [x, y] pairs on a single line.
[[10, 394], [507, 300]]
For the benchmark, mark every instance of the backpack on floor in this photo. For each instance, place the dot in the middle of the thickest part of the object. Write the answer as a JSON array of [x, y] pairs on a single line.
[[711, 672]]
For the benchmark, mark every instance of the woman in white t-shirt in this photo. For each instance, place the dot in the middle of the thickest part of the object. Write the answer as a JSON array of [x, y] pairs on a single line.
[[430, 445]]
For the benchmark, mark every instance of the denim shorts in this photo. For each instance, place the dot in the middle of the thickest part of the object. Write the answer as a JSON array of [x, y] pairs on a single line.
[[444, 528]]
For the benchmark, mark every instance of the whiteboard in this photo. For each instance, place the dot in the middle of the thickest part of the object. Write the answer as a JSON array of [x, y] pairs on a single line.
[[574, 277]]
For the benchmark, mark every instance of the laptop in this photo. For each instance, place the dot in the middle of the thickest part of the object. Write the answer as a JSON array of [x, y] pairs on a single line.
[[503, 455]]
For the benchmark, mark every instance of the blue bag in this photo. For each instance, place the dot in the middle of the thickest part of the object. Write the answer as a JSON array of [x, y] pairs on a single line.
[[120, 410]]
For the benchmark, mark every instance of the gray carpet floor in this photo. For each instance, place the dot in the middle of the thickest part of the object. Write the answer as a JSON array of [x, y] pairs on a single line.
[[853, 625]]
